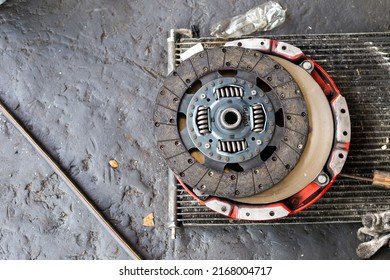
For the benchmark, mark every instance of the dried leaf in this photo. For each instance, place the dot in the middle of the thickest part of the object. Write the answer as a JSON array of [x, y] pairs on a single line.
[[149, 220], [113, 163]]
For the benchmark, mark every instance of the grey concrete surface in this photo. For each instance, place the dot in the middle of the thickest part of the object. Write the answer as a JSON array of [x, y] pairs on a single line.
[[83, 75]]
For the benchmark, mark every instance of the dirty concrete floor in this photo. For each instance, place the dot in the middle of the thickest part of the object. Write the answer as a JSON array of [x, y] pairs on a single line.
[[83, 75]]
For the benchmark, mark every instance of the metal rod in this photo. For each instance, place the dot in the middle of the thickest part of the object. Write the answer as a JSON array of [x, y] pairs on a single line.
[[171, 44], [359, 178], [172, 183], [86, 201], [172, 204]]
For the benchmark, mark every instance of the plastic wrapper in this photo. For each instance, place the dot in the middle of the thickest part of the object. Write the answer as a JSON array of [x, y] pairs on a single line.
[[261, 18]]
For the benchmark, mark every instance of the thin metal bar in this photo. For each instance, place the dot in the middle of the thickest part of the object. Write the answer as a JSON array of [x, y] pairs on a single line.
[[171, 50], [172, 183], [172, 204], [77, 191]]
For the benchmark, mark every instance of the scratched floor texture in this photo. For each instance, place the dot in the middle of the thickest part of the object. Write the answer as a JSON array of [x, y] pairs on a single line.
[[83, 76]]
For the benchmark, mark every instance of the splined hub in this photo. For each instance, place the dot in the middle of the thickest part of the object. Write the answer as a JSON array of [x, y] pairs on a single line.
[[231, 122], [230, 118]]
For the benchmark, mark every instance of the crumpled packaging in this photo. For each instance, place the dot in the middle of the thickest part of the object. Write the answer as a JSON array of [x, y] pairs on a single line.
[[261, 18], [374, 234]]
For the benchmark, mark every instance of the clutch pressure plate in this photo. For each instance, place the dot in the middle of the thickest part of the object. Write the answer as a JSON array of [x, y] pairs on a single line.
[[254, 130]]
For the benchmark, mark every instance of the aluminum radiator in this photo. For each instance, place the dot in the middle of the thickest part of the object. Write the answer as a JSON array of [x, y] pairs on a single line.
[[360, 66]]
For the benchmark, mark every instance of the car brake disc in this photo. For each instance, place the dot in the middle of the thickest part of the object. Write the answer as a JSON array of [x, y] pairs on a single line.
[[254, 130]]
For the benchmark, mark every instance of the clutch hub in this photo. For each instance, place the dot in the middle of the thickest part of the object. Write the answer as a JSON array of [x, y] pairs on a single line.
[[250, 128]]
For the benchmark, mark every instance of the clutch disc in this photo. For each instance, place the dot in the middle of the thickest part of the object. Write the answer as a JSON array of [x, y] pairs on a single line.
[[254, 130]]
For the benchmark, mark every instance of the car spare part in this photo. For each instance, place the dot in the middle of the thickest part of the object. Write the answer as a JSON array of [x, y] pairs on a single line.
[[254, 130]]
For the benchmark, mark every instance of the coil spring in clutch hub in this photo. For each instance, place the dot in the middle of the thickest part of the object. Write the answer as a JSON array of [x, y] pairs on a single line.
[[258, 118], [202, 120], [232, 146], [229, 91]]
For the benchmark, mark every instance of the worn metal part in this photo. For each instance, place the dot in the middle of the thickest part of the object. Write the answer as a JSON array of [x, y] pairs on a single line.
[[283, 49], [342, 135], [322, 179], [76, 190], [258, 117], [260, 44], [172, 223], [202, 119], [230, 118], [171, 49], [230, 91], [217, 100], [232, 146], [262, 214], [307, 65], [343, 55]]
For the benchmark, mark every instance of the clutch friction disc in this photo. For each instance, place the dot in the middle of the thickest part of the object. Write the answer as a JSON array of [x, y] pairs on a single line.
[[248, 128]]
